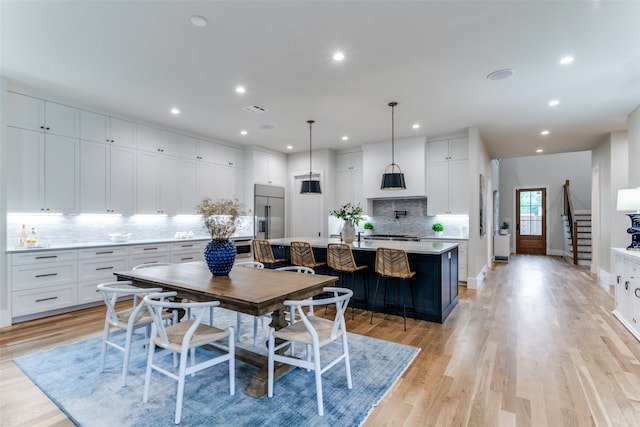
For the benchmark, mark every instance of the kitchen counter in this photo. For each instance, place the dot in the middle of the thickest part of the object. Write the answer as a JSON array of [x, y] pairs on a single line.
[[111, 244], [435, 285], [426, 248]]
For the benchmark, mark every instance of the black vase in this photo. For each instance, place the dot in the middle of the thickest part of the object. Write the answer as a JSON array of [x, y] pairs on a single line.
[[220, 256]]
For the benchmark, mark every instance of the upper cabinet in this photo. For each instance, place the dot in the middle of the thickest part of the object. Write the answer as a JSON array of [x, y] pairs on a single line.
[[197, 149], [448, 177], [269, 168], [31, 113], [229, 156], [154, 140], [100, 128], [349, 179], [410, 155]]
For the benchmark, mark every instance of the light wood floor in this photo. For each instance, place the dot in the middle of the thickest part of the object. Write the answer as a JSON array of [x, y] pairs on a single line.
[[536, 346]]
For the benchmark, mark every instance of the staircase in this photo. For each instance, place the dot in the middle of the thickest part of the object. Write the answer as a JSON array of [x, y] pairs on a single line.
[[582, 230]]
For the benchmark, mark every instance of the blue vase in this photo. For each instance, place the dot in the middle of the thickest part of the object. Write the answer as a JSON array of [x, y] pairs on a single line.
[[220, 255]]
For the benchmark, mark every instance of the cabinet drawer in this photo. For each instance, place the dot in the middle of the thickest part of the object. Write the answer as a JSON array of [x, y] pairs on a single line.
[[187, 247], [29, 276], [39, 300], [100, 253], [149, 249], [150, 259], [187, 257], [41, 257], [100, 270], [88, 292]]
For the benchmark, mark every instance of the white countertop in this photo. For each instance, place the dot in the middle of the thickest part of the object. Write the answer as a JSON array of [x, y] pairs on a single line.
[[429, 248], [110, 244]]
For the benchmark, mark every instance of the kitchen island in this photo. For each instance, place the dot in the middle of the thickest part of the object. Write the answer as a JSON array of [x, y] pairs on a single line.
[[435, 285]]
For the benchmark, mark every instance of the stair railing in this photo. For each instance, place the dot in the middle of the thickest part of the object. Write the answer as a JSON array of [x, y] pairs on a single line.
[[573, 225]]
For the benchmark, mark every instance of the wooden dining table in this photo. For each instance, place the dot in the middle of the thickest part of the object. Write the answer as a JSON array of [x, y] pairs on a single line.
[[247, 290]]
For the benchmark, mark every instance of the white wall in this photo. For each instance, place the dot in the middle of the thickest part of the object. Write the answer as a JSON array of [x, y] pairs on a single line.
[[479, 252], [548, 171], [634, 148], [5, 313]]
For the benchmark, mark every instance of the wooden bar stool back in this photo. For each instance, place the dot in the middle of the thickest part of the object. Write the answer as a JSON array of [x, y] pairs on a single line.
[[263, 253], [302, 254], [393, 264], [340, 259]]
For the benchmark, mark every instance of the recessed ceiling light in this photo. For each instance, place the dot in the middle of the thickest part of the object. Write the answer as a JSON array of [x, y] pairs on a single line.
[[240, 89], [175, 111], [199, 21], [243, 132], [345, 138], [289, 147], [501, 74], [338, 56], [539, 150], [566, 60], [544, 132], [416, 126], [553, 103]]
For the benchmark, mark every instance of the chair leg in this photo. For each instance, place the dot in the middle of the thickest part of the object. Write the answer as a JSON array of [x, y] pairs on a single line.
[[147, 375], [318, 374], [238, 322], [181, 377], [105, 338], [347, 362], [232, 363], [373, 303], [270, 363], [127, 352], [404, 307]]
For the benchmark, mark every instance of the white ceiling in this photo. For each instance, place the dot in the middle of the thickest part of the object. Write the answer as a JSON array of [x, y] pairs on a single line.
[[140, 58]]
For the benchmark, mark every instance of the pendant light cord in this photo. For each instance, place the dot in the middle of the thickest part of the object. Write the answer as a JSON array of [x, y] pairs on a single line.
[[310, 170], [393, 160]]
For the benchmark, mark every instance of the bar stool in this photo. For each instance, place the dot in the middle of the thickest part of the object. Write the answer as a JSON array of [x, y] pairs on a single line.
[[393, 264], [263, 253], [340, 259], [302, 254]]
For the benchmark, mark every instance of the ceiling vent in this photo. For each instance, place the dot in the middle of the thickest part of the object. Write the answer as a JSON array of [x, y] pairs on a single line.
[[501, 74], [255, 109]]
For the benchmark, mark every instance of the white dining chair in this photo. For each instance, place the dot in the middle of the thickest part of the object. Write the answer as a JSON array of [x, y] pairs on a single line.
[[183, 338], [249, 264], [315, 333], [118, 322]]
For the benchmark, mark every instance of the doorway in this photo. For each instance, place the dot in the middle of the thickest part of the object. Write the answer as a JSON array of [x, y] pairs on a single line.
[[531, 221]]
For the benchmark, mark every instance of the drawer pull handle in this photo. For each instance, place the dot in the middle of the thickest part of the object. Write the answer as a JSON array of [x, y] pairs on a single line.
[[187, 259], [46, 299], [104, 268], [150, 249], [104, 253], [47, 256], [46, 275], [187, 246]]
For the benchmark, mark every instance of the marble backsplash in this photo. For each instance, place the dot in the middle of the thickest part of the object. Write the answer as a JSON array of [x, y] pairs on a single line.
[[65, 229]]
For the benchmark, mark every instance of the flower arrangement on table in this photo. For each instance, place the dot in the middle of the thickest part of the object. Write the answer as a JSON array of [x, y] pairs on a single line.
[[222, 216], [350, 213]]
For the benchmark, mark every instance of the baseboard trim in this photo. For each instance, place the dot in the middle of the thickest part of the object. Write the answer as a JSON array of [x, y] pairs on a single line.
[[477, 281]]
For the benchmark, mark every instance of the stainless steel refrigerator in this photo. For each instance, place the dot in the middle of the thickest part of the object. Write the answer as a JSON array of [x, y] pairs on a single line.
[[269, 211]]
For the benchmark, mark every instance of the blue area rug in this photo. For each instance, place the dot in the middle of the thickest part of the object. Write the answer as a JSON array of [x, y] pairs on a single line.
[[69, 376]]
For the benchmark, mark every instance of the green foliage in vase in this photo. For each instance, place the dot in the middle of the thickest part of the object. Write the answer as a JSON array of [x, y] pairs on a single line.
[[437, 227], [368, 226], [222, 216], [504, 226], [349, 212]]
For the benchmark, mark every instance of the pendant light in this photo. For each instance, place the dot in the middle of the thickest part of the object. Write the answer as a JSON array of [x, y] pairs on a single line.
[[392, 178], [310, 186]]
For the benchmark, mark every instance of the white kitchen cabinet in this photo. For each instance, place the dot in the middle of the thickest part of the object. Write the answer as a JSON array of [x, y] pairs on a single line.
[[448, 177], [157, 183], [229, 183], [149, 254], [269, 168], [198, 149], [157, 141], [107, 178], [31, 113], [42, 172], [42, 281], [197, 179], [97, 265], [229, 156], [187, 252], [410, 155], [627, 292], [349, 179], [100, 128]]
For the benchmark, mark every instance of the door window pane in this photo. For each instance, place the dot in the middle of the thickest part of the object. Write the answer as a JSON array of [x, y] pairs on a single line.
[[531, 213]]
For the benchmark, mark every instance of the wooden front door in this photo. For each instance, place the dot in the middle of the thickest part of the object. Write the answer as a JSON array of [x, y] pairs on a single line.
[[531, 222]]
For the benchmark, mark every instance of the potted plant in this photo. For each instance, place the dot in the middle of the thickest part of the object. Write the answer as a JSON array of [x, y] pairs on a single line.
[[221, 218], [368, 228], [438, 229], [504, 228], [351, 215]]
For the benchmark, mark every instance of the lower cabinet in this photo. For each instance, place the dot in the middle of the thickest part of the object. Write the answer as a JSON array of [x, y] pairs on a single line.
[[462, 255], [47, 282], [627, 271]]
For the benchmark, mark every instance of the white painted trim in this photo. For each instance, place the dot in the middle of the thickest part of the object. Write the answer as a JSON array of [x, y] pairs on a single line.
[[605, 279], [477, 281], [5, 318], [555, 252]]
